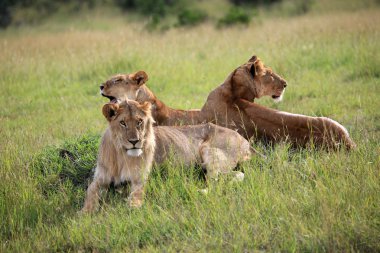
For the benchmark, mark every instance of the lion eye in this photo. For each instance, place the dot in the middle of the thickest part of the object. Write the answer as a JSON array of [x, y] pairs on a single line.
[[117, 80], [122, 123], [139, 123]]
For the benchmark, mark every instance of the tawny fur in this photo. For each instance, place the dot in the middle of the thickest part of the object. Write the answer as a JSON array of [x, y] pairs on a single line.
[[229, 106], [217, 149]]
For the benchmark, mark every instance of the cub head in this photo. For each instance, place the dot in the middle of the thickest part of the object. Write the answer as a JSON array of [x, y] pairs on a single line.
[[122, 87], [130, 124], [254, 80]]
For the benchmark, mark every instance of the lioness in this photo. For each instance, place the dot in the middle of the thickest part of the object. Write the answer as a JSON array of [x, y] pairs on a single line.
[[229, 105], [131, 145]]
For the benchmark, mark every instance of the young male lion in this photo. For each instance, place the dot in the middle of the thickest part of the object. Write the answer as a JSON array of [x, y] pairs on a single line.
[[131, 145], [229, 106]]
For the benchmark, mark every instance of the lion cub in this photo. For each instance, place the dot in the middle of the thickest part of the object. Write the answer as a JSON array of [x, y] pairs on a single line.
[[131, 145]]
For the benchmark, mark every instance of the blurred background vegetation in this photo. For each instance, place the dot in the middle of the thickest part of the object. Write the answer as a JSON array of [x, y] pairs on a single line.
[[165, 14]]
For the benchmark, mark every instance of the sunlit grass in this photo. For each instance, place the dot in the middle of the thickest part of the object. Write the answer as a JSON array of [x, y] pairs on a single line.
[[303, 200]]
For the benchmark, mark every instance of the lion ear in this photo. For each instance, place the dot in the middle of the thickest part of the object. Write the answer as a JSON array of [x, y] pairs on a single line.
[[140, 77], [257, 68], [110, 111], [253, 70], [253, 58]]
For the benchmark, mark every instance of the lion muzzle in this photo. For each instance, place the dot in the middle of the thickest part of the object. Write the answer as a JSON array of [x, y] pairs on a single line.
[[135, 152]]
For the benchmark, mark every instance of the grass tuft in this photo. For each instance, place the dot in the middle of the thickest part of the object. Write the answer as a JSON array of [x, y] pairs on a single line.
[[73, 164]]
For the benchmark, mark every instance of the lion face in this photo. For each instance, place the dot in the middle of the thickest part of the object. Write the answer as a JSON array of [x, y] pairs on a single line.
[[122, 87], [130, 124], [271, 85], [254, 80]]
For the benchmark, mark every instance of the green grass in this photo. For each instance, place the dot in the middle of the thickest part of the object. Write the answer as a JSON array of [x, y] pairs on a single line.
[[303, 200]]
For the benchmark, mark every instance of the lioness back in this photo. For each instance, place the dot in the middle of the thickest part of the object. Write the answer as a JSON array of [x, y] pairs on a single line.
[[183, 142], [174, 143]]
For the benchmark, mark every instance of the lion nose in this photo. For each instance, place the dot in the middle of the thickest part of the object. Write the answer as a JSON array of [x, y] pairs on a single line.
[[285, 84], [133, 141], [101, 87]]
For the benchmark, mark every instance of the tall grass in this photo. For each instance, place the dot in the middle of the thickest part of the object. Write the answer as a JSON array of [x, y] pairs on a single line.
[[303, 200]]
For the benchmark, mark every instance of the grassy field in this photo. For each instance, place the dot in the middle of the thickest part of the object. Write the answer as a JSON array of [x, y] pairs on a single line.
[[305, 200]]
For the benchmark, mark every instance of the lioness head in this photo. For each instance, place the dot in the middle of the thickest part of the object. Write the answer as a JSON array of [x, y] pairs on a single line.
[[130, 124], [254, 80], [122, 87]]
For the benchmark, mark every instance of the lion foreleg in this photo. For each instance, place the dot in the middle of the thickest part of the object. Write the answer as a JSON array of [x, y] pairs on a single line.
[[92, 196], [136, 197]]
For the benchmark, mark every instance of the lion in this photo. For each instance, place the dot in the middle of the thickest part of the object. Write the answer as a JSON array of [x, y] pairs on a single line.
[[131, 146], [231, 105]]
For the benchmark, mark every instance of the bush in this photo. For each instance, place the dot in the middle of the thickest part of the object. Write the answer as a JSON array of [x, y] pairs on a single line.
[[254, 2], [146, 7], [297, 7], [235, 15], [5, 13], [71, 164], [27, 11], [5, 16], [192, 17]]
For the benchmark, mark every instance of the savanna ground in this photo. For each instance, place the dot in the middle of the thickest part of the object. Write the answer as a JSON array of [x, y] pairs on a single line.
[[296, 200]]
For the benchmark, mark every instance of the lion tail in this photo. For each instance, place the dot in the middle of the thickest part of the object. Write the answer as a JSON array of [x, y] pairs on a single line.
[[255, 152]]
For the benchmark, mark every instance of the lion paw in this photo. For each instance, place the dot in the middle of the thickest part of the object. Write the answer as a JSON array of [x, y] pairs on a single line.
[[135, 203], [238, 176], [203, 191]]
